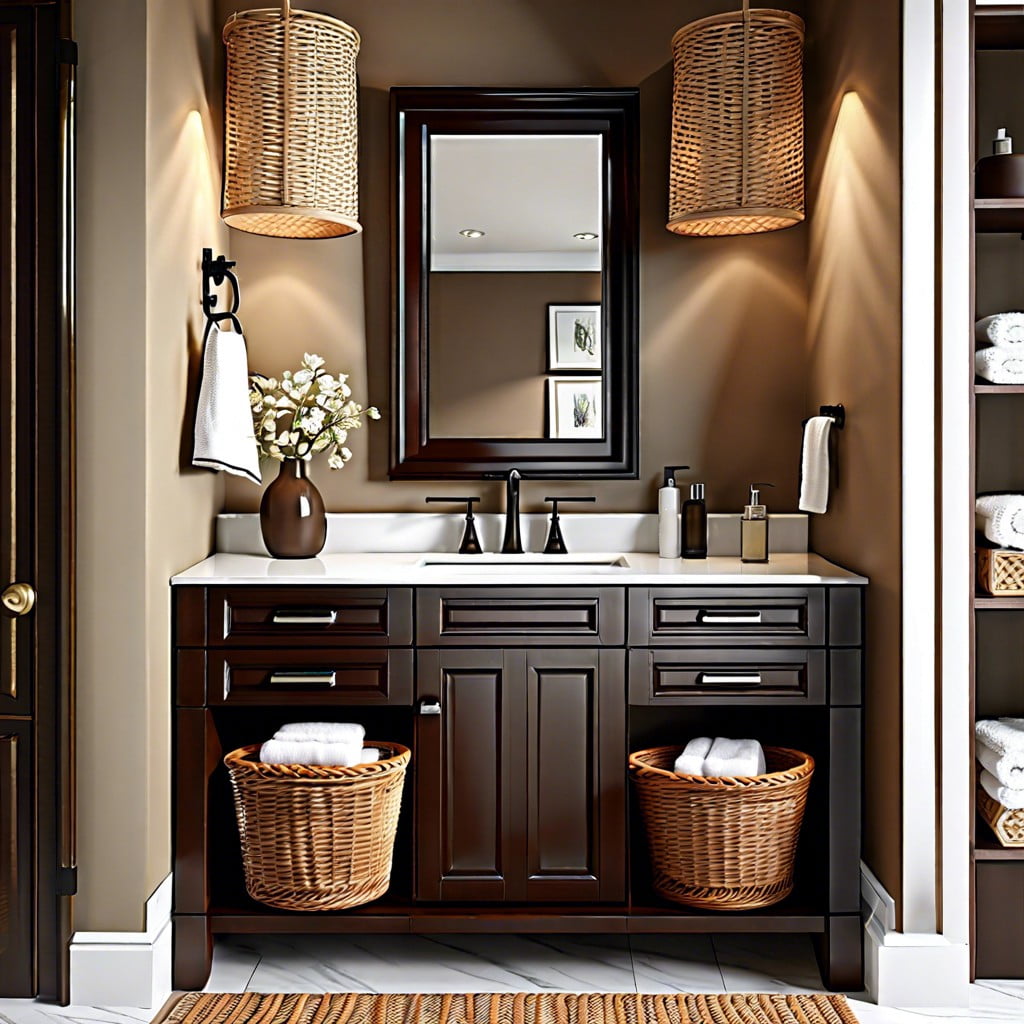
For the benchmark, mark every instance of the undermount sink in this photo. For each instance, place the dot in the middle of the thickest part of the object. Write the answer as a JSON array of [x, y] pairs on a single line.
[[527, 563]]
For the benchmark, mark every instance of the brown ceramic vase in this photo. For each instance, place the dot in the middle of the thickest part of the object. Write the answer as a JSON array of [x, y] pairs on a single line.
[[292, 514]]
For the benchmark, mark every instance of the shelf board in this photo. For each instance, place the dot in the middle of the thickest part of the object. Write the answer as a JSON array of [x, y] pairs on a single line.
[[999, 28], [987, 603], [987, 388], [992, 216], [987, 847]]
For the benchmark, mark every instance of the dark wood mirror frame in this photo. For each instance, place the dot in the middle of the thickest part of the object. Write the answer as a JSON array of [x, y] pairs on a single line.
[[614, 115]]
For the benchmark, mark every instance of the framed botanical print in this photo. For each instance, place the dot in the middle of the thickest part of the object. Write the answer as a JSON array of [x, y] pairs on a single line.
[[574, 408], [574, 337]]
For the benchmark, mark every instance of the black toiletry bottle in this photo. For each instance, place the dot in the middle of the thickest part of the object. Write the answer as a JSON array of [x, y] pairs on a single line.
[[695, 524]]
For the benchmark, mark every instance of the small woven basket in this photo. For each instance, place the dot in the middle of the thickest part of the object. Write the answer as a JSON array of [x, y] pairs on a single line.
[[313, 837], [722, 843], [1008, 825], [1001, 571]]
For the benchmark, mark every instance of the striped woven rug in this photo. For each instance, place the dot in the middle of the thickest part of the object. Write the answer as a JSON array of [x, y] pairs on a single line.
[[508, 1008]]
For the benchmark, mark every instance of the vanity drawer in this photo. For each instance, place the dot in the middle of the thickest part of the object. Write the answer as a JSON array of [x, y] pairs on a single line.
[[755, 616], [691, 676], [325, 676], [298, 616], [520, 616]]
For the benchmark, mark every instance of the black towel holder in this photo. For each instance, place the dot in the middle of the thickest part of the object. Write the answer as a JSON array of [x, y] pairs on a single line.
[[215, 273], [836, 413]]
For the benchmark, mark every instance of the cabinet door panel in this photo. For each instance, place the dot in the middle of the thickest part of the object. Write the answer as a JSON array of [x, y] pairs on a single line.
[[575, 773], [464, 845]]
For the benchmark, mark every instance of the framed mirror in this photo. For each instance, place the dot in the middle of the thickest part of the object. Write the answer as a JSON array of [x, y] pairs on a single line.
[[516, 283]]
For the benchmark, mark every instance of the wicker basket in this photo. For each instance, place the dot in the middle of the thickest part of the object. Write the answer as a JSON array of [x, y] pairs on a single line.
[[737, 164], [317, 838], [1001, 571], [722, 843], [290, 124], [1008, 825]]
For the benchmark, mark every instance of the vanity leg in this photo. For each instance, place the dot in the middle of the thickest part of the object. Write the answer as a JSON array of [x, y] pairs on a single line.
[[193, 952], [840, 953]]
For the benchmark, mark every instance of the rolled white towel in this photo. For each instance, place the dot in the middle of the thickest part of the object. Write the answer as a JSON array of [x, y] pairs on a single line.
[[369, 754], [734, 758], [1004, 329], [1000, 365], [1002, 735], [1000, 517], [1011, 798], [691, 760], [1008, 768], [292, 751], [814, 465], [325, 732]]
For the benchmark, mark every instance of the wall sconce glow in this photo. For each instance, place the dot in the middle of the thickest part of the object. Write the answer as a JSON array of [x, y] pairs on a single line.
[[737, 164], [290, 124], [585, 236], [472, 233]]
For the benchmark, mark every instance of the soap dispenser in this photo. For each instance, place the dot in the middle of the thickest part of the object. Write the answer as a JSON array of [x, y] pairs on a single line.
[[669, 537], [695, 524], [754, 527]]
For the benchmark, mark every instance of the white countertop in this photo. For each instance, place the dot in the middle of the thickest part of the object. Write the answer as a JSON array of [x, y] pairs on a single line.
[[406, 569]]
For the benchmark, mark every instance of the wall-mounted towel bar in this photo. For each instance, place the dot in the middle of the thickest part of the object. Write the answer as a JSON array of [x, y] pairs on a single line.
[[215, 273]]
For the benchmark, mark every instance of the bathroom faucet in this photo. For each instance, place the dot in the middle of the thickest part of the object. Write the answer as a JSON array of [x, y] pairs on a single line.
[[513, 542]]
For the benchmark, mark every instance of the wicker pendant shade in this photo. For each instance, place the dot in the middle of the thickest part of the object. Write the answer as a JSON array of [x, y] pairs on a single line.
[[737, 164], [290, 124]]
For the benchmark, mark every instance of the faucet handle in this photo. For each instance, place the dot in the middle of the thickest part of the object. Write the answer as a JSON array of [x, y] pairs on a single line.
[[470, 544], [555, 544]]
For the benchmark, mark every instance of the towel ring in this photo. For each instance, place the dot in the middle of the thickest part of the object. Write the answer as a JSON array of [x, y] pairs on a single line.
[[215, 273], [836, 413]]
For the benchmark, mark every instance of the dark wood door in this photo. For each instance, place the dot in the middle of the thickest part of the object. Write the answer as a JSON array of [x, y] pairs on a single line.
[[36, 500]]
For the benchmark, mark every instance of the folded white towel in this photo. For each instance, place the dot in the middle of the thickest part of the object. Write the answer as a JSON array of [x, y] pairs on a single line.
[[1000, 365], [734, 758], [368, 754], [1005, 329], [325, 732], [691, 760], [1002, 735], [1008, 768], [1011, 798], [814, 465], [224, 434], [1000, 517], [291, 751]]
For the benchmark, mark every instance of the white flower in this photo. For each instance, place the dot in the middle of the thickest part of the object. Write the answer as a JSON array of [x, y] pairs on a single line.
[[303, 377], [340, 435], [335, 461], [313, 421], [373, 412], [313, 361], [346, 454]]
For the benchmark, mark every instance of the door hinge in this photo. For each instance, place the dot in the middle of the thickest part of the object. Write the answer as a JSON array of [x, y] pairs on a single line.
[[67, 881], [67, 52]]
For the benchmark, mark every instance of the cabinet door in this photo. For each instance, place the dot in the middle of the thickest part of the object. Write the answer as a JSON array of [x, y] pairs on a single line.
[[574, 747], [464, 840]]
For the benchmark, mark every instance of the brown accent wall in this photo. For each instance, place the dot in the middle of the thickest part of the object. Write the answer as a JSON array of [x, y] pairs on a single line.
[[489, 376], [854, 357]]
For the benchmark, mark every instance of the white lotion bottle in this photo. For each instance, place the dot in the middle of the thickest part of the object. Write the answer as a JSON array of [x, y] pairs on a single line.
[[670, 540]]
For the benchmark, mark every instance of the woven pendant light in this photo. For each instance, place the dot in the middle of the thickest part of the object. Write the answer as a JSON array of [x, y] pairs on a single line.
[[290, 124], [737, 164]]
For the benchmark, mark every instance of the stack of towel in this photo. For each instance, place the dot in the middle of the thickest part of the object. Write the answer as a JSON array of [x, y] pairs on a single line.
[[1000, 517], [737, 759], [339, 744], [1000, 750], [1002, 360]]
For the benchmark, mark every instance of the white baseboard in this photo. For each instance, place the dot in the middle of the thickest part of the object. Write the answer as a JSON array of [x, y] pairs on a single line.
[[126, 968], [905, 969]]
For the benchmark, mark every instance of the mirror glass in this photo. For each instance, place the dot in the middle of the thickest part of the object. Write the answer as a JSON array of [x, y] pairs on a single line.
[[515, 279]]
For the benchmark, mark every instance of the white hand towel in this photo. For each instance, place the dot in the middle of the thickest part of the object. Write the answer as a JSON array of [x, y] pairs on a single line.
[[734, 758], [814, 465], [369, 754], [1000, 365], [1008, 768], [224, 434], [1002, 735], [1011, 798], [691, 760], [325, 732], [1005, 329], [292, 751], [1000, 517]]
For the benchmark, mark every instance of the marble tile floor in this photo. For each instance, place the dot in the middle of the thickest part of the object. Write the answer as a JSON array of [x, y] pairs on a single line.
[[541, 963]]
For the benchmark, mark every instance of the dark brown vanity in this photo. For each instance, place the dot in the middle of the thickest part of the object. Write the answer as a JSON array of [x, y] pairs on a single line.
[[520, 705]]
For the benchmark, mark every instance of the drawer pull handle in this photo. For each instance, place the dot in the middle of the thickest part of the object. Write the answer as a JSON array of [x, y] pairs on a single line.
[[430, 707], [727, 618], [298, 677], [307, 617], [729, 678]]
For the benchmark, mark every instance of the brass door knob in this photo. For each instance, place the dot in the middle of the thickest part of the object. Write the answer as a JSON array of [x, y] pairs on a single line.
[[18, 598]]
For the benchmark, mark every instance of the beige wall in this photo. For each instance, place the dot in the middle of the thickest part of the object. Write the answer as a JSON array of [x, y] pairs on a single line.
[[854, 341], [148, 203]]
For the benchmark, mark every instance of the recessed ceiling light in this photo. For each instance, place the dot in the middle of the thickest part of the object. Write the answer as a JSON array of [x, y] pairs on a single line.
[[472, 233], [585, 236]]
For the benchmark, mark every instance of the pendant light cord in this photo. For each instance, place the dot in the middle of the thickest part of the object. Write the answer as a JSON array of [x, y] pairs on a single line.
[[744, 104]]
